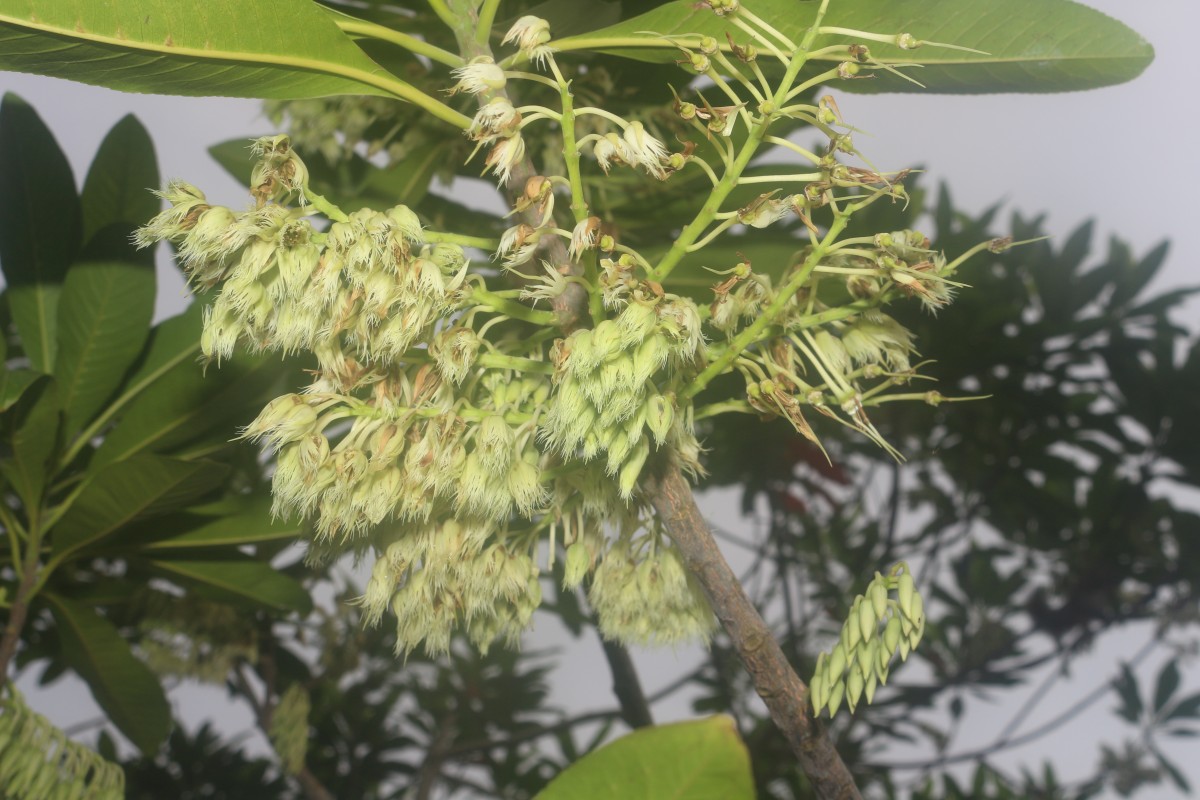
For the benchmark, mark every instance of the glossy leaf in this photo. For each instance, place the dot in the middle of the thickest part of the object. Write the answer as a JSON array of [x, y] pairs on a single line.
[[239, 579], [104, 318], [123, 686], [119, 182], [1030, 45], [139, 487], [229, 523], [269, 48], [39, 226], [700, 760]]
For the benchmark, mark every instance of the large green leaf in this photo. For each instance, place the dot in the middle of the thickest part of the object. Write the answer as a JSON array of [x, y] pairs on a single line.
[[123, 686], [13, 383], [31, 430], [700, 760], [1030, 45], [267, 48], [39, 226], [118, 184], [186, 403], [239, 580], [104, 318], [228, 523], [139, 487]]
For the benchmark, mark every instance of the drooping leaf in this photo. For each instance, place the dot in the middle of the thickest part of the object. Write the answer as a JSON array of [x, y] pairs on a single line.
[[119, 182], [39, 226], [700, 760], [269, 48], [239, 580], [138, 487], [123, 686], [228, 523], [104, 318], [1029, 45]]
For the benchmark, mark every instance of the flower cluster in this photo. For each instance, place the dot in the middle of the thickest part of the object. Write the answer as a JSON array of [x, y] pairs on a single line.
[[861, 659], [606, 401]]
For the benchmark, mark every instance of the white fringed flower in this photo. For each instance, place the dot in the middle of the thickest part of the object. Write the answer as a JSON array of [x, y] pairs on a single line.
[[481, 75]]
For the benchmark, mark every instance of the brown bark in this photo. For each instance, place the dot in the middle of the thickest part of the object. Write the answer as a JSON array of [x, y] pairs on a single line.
[[19, 611], [785, 695]]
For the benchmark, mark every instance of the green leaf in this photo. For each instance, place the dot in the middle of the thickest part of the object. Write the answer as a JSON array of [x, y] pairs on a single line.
[[104, 318], [239, 580], [700, 760], [1030, 45], [228, 523], [123, 686], [119, 182], [1165, 686], [1126, 687], [277, 49], [40, 225], [1185, 708], [13, 384], [186, 403], [139, 487], [33, 439]]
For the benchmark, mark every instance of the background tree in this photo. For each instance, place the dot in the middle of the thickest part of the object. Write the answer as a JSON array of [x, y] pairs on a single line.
[[286, 690]]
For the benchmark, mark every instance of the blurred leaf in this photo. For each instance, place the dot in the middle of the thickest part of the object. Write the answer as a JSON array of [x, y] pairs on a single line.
[[699, 760], [1187, 707], [1029, 45], [40, 226], [1165, 686], [104, 317], [239, 579], [123, 686], [119, 183]]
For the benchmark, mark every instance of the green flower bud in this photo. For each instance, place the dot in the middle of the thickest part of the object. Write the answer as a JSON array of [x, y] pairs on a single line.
[[837, 662], [627, 480], [579, 561], [872, 683], [855, 684], [835, 697], [867, 621], [905, 592], [891, 635], [660, 416]]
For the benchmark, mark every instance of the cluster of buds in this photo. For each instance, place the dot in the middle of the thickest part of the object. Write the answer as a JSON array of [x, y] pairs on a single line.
[[371, 285], [606, 401], [338, 127], [530, 34], [447, 575], [496, 124], [877, 629], [651, 597]]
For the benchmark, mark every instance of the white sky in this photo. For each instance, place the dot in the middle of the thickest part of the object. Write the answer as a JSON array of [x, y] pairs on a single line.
[[1124, 155]]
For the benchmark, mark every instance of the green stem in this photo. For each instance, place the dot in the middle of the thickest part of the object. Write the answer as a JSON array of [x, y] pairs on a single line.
[[487, 18], [31, 579], [515, 363], [512, 309], [750, 334], [463, 240], [325, 206], [443, 12], [371, 30]]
